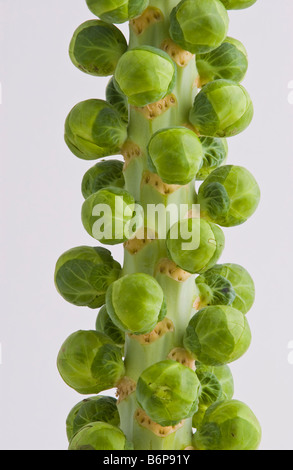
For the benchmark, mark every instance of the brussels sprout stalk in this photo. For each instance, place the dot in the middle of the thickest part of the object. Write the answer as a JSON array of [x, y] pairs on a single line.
[[181, 314]]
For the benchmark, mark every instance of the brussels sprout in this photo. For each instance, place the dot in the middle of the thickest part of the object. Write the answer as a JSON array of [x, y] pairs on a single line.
[[118, 100], [176, 153], [168, 392], [237, 4], [102, 174], [90, 362], [97, 408], [214, 289], [135, 303], [229, 196], [96, 47], [199, 26], [107, 213], [223, 108], [94, 129], [195, 245], [99, 436], [241, 281], [117, 11], [145, 74], [228, 425], [217, 335], [105, 325], [215, 152], [210, 390], [83, 274], [223, 375], [228, 61]]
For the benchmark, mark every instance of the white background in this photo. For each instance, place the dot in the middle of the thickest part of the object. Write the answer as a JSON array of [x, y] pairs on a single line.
[[40, 217]]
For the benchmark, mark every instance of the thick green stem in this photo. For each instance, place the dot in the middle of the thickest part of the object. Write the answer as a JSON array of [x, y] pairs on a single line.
[[179, 290]]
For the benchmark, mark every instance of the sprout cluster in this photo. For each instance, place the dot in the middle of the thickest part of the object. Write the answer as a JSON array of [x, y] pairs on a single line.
[[172, 318]]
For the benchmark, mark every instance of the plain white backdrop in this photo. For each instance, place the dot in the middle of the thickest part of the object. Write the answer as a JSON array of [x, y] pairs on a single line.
[[40, 217]]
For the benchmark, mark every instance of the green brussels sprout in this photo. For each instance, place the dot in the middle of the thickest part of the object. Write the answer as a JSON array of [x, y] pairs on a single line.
[[195, 245], [117, 99], [168, 392], [223, 108], [228, 196], [135, 303], [241, 281], [217, 335], [228, 61], [96, 48], [210, 390], [117, 11], [215, 152], [105, 325], [89, 410], [223, 375], [107, 213], [214, 289], [145, 74], [89, 362], [101, 175], [176, 153], [99, 436], [237, 4], [94, 129], [199, 26], [83, 274], [228, 425]]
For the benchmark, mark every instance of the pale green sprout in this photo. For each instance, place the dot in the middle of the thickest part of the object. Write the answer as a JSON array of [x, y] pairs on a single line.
[[135, 303], [168, 392], [117, 11], [117, 99], [195, 245], [89, 410], [215, 152], [99, 436], [217, 335], [199, 26], [236, 276], [96, 47], [229, 196], [228, 425], [237, 4], [94, 129], [83, 274], [107, 214], [145, 74], [176, 153], [90, 362], [102, 174], [222, 108], [105, 325], [214, 289], [228, 61]]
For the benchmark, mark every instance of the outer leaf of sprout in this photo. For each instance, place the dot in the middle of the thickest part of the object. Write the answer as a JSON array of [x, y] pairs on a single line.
[[105, 325], [96, 47], [83, 274], [237, 4], [217, 335], [228, 425], [99, 436], [215, 152], [214, 289], [223, 108], [94, 129], [145, 74], [102, 174], [199, 27], [118, 100], [117, 11], [168, 392], [135, 303], [176, 153], [90, 362], [229, 196]]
